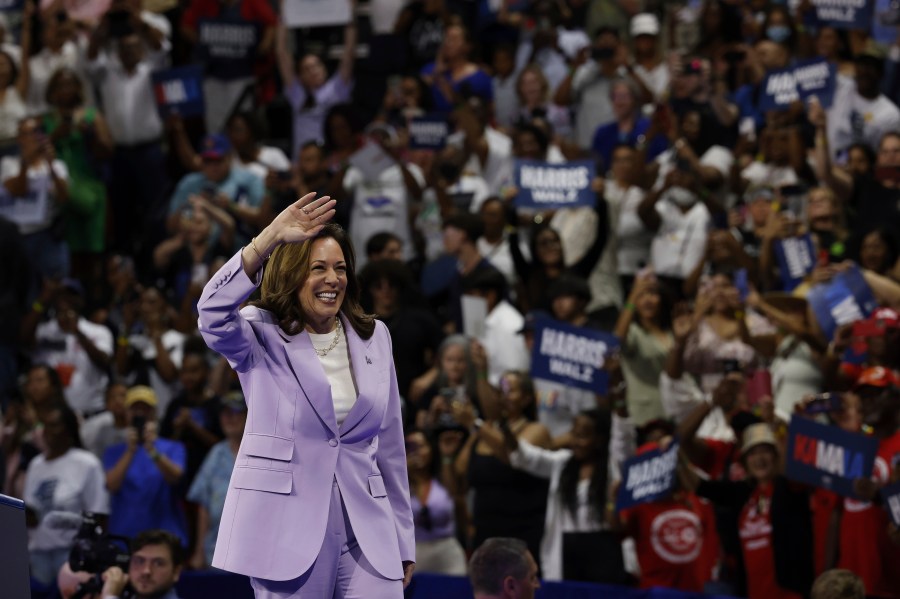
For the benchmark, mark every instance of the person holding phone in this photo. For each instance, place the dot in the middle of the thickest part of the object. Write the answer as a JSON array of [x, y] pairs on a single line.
[[142, 473]]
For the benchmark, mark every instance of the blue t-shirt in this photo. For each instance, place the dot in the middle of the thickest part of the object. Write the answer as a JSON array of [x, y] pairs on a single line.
[[145, 500], [477, 84], [241, 186], [608, 136], [209, 489]]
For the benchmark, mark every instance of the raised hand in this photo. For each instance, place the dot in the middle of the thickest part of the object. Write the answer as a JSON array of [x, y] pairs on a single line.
[[303, 219]]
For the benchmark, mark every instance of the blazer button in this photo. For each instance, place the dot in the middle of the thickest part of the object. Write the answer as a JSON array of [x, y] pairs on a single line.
[[332, 442]]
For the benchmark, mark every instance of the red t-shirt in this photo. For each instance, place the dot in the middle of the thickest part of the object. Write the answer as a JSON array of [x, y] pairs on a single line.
[[722, 455], [755, 526], [256, 11], [676, 542], [866, 549]]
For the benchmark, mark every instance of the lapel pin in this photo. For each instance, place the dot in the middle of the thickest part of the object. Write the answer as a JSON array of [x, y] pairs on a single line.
[[368, 361]]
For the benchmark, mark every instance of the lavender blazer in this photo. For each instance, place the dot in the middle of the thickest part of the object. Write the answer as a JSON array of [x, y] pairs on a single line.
[[277, 504]]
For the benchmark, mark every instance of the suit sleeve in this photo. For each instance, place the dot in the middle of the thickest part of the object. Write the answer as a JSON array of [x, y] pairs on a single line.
[[392, 461], [220, 322]]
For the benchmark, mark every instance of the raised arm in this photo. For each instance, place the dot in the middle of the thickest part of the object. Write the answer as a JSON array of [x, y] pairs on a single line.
[[283, 55], [345, 69]]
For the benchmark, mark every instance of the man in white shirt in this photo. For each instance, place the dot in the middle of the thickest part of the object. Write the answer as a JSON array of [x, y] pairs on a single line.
[[649, 68], [504, 346], [383, 204], [488, 151], [138, 166], [77, 348]]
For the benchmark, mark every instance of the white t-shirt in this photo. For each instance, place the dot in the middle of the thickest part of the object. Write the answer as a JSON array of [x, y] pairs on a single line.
[[853, 119], [380, 206], [99, 432], [500, 256], [268, 159], [87, 386], [173, 342], [657, 79], [12, 110], [680, 242], [42, 66], [504, 346], [74, 482], [718, 157], [35, 211], [336, 364], [759, 173], [634, 239], [593, 107], [497, 169]]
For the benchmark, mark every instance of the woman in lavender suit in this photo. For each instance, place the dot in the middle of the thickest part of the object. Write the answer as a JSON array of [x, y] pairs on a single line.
[[318, 504]]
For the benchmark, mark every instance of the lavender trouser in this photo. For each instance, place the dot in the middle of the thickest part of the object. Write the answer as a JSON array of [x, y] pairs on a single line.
[[341, 571]]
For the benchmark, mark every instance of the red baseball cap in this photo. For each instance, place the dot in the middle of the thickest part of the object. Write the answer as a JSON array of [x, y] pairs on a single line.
[[876, 376]]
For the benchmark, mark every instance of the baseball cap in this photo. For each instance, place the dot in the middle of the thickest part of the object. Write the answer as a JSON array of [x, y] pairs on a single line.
[[234, 401], [140, 394], [876, 376], [215, 147], [644, 24], [759, 192], [755, 435], [884, 318]]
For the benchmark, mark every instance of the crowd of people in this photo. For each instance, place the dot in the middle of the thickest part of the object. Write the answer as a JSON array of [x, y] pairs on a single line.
[[114, 215]]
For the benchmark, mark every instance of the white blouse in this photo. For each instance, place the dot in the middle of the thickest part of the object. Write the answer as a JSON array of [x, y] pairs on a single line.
[[336, 364]]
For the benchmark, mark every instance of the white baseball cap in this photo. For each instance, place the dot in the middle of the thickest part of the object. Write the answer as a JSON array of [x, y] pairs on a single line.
[[644, 24]]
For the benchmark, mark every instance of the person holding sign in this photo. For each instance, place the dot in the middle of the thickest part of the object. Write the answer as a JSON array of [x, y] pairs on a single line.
[[577, 543], [307, 85], [775, 525], [319, 502]]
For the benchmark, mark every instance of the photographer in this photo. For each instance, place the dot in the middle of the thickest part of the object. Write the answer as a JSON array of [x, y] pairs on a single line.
[[141, 474], [155, 567]]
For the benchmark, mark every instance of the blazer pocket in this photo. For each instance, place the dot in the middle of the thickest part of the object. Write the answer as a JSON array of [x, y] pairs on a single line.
[[268, 446], [376, 486], [262, 479]]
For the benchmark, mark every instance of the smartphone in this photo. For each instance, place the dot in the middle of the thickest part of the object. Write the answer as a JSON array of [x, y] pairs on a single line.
[[139, 422], [824, 403], [730, 365]]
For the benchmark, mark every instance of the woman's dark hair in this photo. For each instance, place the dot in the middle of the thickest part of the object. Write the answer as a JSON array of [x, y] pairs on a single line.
[[526, 386], [729, 28], [344, 111], [527, 128], [866, 149], [887, 237], [57, 76], [397, 275], [706, 137], [257, 130], [13, 67], [59, 396], [70, 422], [287, 271], [431, 438], [666, 304], [536, 230], [568, 481]]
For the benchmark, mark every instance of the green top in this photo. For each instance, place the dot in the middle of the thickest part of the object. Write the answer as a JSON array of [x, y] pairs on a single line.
[[643, 360]]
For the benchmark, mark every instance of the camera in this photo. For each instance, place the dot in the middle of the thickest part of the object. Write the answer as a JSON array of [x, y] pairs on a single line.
[[95, 551]]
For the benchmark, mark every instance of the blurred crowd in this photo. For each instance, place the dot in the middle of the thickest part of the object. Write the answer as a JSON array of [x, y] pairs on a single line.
[[114, 215]]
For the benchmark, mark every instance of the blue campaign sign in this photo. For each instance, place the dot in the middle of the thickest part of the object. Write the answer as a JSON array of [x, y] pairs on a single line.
[[827, 456], [179, 91], [885, 22], [779, 90], [844, 14], [795, 259], [647, 477], [571, 355], [546, 186], [891, 496], [816, 78], [845, 299], [428, 132]]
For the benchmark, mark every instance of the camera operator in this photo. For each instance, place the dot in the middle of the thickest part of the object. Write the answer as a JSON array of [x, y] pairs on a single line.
[[156, 559]]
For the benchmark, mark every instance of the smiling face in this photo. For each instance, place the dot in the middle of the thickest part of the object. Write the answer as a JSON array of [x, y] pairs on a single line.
[[761, 463], [322, 294], [584, 438]]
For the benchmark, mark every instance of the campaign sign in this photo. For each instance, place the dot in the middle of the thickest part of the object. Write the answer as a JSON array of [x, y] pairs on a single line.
[[546, 186], [647, 477], [179, 91], [428, 132], [887, 18], [571, 355], [844, 14], [827, 456], [796, 259], [891, 496], [816, 78], [779, 90], [228, 47], [845, 299], [316, 13]]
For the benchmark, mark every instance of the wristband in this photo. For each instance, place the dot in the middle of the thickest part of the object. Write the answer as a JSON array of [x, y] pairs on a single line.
[[629, 306], [37, 307], [122, 341]]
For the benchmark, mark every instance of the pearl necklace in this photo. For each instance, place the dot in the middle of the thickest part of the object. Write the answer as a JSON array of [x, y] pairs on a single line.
[[337, 337]]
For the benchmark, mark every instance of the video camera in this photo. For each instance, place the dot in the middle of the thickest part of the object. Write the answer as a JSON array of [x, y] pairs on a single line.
[[93, 550]]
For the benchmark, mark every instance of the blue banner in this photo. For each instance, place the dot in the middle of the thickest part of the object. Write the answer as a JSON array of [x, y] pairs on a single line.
[[571, 355], [827, 456], [647, 477], [844, 14], [891, 496], [179, 91], [228, 47], [796, 259], [816, 78], [548, 186], [428, 132], [845, 299], [887, 18], [779, 90]]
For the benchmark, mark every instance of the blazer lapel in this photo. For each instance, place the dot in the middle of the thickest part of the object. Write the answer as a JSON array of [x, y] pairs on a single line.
[[304, 363], [365, 372]]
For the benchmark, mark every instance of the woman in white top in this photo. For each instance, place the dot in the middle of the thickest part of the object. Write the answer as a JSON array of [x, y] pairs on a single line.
[[578, 543]]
